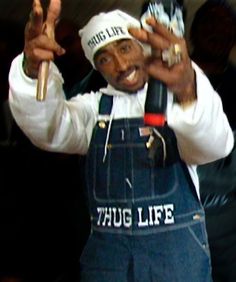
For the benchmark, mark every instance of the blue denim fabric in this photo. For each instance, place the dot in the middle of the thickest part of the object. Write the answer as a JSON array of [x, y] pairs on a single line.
[[147, 222], [177, 256]]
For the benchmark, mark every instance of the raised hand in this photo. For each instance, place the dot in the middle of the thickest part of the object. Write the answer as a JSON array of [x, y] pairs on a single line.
[[180, 77], [40, 44]]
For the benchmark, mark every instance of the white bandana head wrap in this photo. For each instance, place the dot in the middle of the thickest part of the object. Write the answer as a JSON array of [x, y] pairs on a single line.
[[105, 28]]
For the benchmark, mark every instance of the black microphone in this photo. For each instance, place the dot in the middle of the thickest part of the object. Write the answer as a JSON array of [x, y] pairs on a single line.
[[156, 99], [156, 102]]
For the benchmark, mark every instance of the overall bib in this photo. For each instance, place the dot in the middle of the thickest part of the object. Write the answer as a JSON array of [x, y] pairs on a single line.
[[147, 223]]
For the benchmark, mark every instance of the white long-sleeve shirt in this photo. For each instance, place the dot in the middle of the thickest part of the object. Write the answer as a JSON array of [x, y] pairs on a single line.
[[202, 129]]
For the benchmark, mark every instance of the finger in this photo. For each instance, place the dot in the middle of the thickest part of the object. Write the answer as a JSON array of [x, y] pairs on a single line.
[[43, 42], [157, 42], [167, 76], [37, 13], [154, 39], [43, 54], [54, 10], [162, 30], [34, 26], [170, 76], [139, 34]]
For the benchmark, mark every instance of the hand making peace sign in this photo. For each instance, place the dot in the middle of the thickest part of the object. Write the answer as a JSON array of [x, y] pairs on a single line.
[[40, 44]]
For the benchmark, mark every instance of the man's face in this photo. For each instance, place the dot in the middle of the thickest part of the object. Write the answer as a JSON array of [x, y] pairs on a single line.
[[122, 63]]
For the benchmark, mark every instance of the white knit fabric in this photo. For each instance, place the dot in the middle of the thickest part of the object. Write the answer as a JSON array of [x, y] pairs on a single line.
[[105, 28]]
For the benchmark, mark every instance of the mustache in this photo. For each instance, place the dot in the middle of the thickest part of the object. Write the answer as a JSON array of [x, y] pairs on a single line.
[[123, 74]]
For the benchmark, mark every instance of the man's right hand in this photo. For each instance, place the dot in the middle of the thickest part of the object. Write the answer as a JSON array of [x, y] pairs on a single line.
[[40, 44]]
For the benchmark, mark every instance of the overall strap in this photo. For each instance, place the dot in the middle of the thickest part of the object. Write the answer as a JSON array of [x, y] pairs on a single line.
[[105, 104]]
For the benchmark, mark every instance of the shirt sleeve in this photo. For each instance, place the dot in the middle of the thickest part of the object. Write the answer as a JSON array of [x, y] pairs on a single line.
[[54, 124], [202, 129]]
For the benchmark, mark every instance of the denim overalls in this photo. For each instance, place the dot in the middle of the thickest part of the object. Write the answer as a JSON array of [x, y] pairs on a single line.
[[147, 223]]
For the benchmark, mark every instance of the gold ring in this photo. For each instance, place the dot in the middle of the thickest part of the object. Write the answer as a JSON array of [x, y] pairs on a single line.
[[172, 55]]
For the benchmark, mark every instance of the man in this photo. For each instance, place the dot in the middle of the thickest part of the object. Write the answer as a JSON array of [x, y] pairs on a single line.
[[147, 223]]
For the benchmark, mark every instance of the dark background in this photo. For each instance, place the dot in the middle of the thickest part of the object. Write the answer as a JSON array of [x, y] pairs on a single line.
[[43, 219]]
